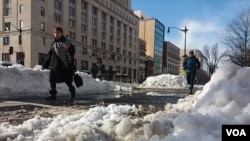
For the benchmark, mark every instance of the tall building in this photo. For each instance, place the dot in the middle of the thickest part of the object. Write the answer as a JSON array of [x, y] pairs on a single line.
[[104, 32], [152, 31]]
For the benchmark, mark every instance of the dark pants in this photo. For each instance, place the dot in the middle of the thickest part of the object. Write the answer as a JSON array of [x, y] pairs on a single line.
[[190, 80], [53, 87], [67, 79]]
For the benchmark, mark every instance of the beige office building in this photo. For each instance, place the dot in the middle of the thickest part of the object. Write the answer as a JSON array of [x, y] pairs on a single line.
[[104, 32], [152, 31]]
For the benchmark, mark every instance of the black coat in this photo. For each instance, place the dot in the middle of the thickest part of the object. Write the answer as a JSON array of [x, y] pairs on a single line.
[[58, 71]]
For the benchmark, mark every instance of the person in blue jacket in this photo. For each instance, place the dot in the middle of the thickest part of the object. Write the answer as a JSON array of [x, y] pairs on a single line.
[[191, 64]]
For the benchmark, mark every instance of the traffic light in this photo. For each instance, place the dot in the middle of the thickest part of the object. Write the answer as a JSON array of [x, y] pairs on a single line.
[[11, 50], [22, 53], [20, 39]]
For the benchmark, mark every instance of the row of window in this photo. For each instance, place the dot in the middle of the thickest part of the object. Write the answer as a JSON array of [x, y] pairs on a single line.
[[84, 64], [19, 57], [57, 16], [118, 11], [6, 41]]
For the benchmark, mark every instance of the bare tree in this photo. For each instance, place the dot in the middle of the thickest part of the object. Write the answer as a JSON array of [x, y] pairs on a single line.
[[212, 58], [237, 38]]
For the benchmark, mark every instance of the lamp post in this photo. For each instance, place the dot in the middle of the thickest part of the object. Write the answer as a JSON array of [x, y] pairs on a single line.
[[21, 53], [185, 31]]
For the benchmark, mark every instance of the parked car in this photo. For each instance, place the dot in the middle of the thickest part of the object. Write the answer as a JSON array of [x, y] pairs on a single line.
[[6, 63], [85, 71]]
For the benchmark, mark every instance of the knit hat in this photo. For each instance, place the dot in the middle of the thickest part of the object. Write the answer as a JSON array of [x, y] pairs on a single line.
[[191, 52]]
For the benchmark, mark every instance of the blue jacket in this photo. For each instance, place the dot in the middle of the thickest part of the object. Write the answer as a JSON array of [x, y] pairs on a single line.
[[191, 64]]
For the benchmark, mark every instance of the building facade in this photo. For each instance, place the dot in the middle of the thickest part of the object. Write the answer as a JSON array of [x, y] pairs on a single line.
[[142, 60], [152, 31], [171, 58], [104, 32]]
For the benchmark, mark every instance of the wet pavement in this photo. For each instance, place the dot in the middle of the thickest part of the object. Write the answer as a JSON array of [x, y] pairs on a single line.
[[157, 99]]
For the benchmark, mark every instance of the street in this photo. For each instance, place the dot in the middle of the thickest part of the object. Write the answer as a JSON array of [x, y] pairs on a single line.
[[87, 100], [17, 110]]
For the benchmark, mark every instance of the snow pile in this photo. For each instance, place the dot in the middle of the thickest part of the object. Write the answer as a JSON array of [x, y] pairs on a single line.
[[165, 81]]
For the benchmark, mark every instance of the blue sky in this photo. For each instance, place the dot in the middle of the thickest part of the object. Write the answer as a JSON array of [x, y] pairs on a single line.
[[205, 19]]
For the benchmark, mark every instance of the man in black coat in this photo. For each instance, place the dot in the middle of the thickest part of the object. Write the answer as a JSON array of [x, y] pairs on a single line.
[[60, 61]]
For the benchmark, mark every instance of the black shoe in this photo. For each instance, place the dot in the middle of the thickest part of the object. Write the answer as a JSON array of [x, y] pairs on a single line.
[[72, 93], [52, 92], [52, 97]]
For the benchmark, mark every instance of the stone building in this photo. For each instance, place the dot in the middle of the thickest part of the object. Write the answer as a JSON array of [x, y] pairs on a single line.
[[171, 58], [104, 32]]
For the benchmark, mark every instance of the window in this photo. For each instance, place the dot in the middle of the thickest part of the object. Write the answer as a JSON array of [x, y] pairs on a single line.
[[124, 70], [103, 35], [41, 58], [94, 42], [42, 28], [84, 51], [104, 55], [84, 39], [43, 41], [6, 57], [118, 69], [94, 21], [7, 27], [84, 27], [103, 25], [129, 54], [71, 23], [94, 31], [103, 45], [118, 50], [21, 24], [21, 9], [72, 35], [7, 9], [42, 11], [6, 40], [57, 17], [111, 38], [58, 4], [20, 58], [72, 13], [124, 52], [84, 65], [58, 11], [111, 47], [84, 16]]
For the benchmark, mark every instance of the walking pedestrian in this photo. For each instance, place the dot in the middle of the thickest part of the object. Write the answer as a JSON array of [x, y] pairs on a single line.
[[191, 64], [60, 61]]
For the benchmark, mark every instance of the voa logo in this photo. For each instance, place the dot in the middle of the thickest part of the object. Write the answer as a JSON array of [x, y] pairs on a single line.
[[236, 132]]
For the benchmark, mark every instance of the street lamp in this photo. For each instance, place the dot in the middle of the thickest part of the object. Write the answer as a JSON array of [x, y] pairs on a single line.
[[21, 53], [185, 31]]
